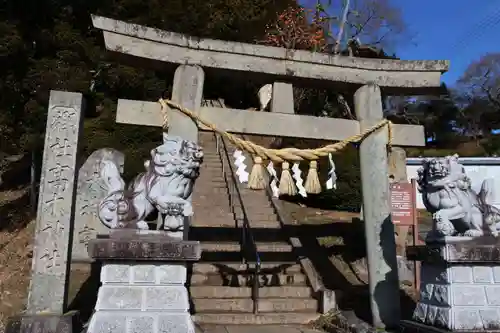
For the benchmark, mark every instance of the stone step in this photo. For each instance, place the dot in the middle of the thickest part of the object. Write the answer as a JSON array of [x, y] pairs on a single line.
[[215, 223], [212, 158], [212, 166], [217, 197], [212, 170], [254, 221], [235, 247], [214, 216], [211, 223], [246, 292], [240, 305], [217, 211], [254, 195], [211, 173], [211, 162], [206, 268], [210, 177], [207, 184], [239, 279], [212, 231], [253, 204], [219, 203], [254, 217], [207, 180], [257, 200], [209, 190], [266, 211], [283, 318], [199, 220], [200, 210]]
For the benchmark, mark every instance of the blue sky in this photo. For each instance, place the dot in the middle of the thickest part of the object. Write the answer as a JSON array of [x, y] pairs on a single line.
[[458, 30]]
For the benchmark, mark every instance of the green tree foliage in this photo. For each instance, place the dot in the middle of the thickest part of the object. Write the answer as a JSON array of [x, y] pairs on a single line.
[[50, 44]]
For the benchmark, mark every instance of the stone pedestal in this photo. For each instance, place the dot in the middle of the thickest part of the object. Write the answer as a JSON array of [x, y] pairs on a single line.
[[460, 285], [143, 283]]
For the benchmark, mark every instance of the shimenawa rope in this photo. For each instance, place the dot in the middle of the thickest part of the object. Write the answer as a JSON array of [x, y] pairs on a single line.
[[278, 155]]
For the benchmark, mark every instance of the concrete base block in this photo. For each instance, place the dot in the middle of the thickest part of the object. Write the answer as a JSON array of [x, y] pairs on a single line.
[[408, 326], [140, 322], [142, 297], [460, 285]]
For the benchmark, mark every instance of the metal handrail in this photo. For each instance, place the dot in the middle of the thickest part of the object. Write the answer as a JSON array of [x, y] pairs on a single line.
[[247, 242]]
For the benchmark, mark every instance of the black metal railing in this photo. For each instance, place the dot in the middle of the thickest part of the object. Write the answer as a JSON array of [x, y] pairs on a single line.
[[249, 252]]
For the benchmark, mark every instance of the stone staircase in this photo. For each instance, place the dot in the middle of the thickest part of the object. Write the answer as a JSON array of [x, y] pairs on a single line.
[[221, 283]]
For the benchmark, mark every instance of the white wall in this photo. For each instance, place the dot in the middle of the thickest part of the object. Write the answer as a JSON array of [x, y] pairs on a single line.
[[477, 168]]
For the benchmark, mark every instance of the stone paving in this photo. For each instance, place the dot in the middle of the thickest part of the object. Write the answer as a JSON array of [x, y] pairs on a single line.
[[254, 329]]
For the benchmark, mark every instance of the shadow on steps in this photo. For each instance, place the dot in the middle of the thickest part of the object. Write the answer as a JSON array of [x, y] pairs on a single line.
[[223, 234], [222, 256]]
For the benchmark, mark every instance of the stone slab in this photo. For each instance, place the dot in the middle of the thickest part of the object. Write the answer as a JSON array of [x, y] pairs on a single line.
[[90, 192], [150, 322], [165, 46], [267, 123], [45, 323], [472, 250], [144, 249], [56, 204]]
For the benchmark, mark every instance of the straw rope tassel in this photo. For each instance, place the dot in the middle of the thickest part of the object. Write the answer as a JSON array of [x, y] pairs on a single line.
[[313, 186], [256, 180], [287, 185]]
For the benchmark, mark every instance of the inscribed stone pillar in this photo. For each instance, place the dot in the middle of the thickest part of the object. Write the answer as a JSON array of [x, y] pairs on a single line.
[[379, 230], [53, 231], [91, 190]]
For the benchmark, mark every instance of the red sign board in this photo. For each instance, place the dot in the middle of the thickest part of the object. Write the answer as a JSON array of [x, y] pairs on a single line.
[[402, 203]]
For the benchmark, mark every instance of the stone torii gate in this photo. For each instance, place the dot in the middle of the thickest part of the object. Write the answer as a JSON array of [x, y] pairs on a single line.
[[279, 65]]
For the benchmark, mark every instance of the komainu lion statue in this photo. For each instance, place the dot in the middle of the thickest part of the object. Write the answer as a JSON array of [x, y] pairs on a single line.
[[165, 186], [456, 208]]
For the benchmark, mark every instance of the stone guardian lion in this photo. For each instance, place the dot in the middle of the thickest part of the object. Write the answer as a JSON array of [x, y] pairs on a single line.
[[457, 210], [165, 186]]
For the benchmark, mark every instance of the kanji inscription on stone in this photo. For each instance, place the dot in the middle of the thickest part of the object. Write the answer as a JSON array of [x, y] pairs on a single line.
[[52, 247]]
